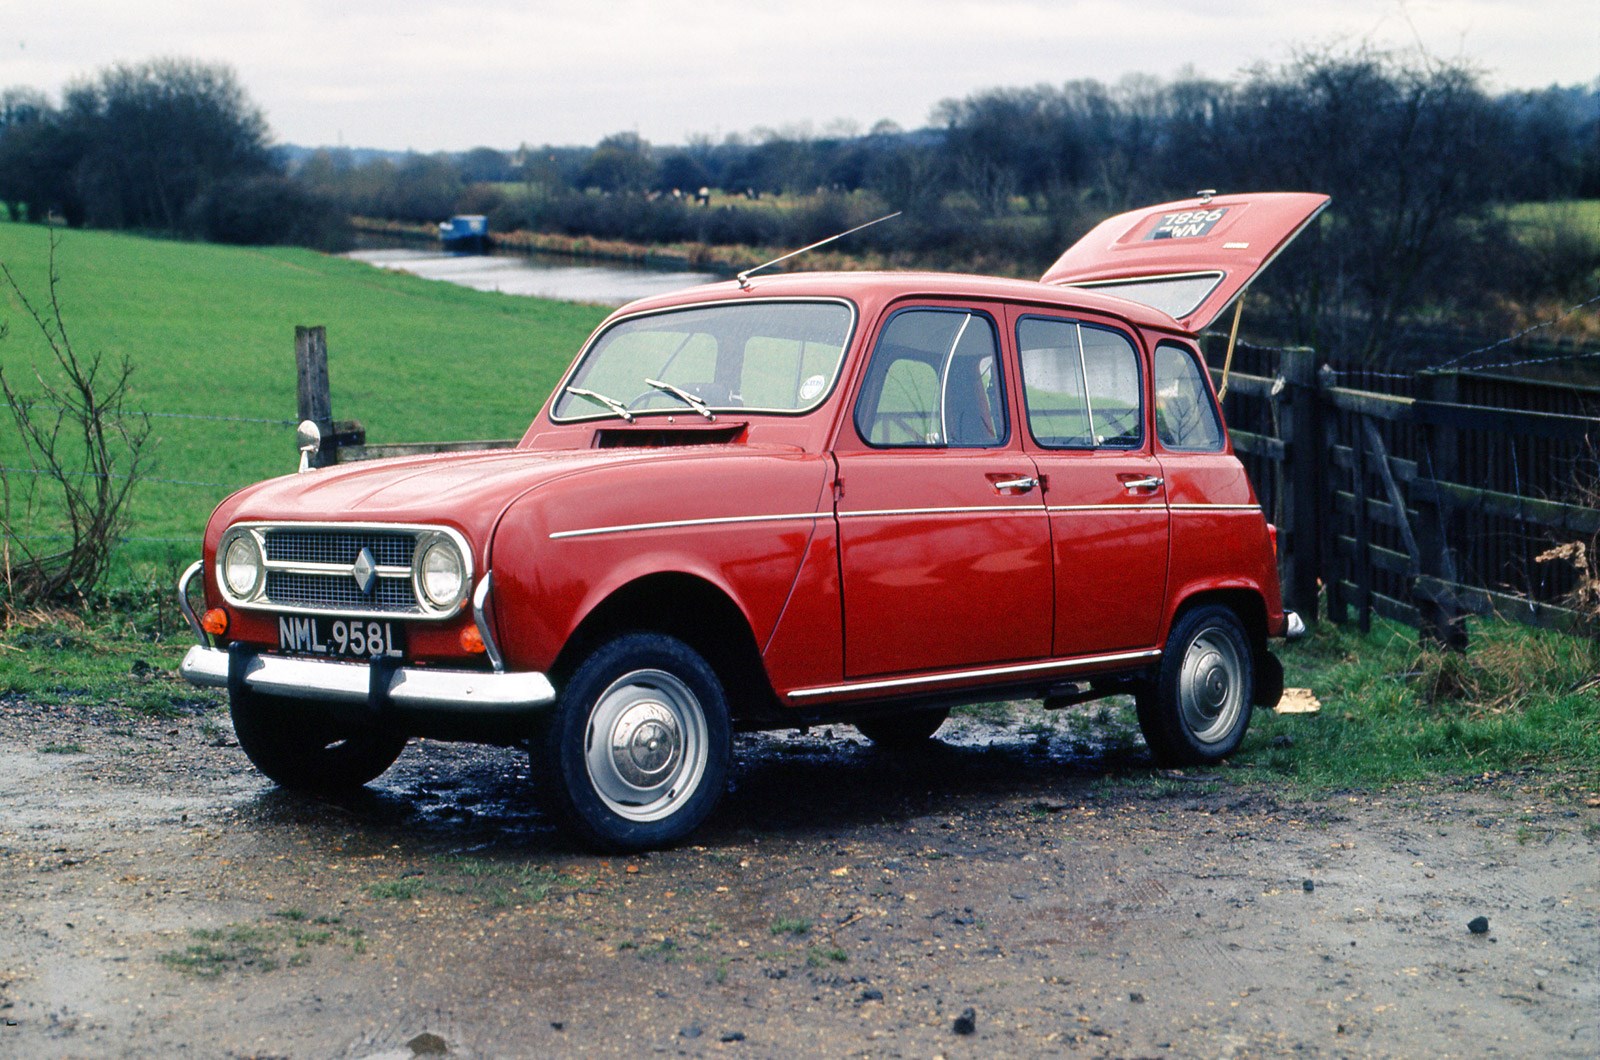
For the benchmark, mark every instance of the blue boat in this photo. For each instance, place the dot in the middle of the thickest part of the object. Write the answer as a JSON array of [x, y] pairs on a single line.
[[466, 231]]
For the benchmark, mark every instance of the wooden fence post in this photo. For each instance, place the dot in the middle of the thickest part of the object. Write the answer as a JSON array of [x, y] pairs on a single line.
[[1331, 566], [315, 399], [1304, 482], [1441, 618], [1362, 568]]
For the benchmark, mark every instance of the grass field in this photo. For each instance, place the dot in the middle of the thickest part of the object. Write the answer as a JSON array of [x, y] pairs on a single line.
[[210, 331], [1579, 213]]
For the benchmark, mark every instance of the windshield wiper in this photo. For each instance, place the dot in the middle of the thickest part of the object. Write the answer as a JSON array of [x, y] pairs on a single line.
[[609, 402], [694, 401]]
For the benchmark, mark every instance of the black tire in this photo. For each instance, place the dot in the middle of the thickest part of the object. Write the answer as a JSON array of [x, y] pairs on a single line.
[[288, 741], [903, 731], [662, 763], [1197, 709]]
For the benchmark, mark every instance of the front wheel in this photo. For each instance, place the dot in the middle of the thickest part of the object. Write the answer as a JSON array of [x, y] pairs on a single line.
[[1198, 707], [636, 755], [296, 745]]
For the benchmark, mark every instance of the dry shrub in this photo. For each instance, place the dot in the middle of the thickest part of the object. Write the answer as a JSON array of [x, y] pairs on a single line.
[[1582, 556], [83, 450], [1507, 668], [24, 619]]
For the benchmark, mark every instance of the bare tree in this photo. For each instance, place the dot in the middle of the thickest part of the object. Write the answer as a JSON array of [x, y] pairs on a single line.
[[84, 452]]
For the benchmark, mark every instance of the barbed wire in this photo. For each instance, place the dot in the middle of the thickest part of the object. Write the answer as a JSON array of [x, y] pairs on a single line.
[[122, 539], [175, 415], [1456, 361], [142, 478], [1513, 338]]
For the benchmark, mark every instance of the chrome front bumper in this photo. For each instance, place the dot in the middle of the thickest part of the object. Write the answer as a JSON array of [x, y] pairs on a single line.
[[468, 691], [474, 692]]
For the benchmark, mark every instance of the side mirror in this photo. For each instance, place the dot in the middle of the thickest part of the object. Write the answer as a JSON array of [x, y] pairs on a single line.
[[308, 437]]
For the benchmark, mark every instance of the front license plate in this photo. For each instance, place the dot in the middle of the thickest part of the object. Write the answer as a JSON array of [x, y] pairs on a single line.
[[351, 638]]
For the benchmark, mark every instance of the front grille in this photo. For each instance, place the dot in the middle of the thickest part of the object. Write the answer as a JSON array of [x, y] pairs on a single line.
[[339, 593], [389, 549], [312, 567]]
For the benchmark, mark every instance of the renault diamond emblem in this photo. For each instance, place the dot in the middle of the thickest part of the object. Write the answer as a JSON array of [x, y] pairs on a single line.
[[366, 571]]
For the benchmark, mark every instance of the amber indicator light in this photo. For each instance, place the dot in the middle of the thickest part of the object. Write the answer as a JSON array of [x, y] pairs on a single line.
[[215, 622], [472, 640]]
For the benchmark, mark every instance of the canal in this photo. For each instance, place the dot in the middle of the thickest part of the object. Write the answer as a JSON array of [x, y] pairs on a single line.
[[536, 275]]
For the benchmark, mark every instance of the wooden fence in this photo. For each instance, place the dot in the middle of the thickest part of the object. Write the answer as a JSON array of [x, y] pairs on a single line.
[[1420, 504]]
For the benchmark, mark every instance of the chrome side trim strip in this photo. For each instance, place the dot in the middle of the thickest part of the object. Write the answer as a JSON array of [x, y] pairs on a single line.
[[964, 675], [343, 682], [943, 511], [1215, 507], [672, 524], [724, 520], [1154, 507]]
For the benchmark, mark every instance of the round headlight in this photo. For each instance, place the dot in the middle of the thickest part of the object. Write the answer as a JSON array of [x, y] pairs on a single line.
[[241, 564], [441, 573]]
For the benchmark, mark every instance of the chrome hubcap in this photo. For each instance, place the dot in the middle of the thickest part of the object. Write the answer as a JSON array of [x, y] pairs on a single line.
[[1210, 686], [646, 745]]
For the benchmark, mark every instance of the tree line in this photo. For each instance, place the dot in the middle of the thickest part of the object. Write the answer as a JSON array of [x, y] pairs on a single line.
[[1420, 157]]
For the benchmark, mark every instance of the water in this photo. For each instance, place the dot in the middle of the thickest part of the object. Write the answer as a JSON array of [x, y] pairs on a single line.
[[537, 275]]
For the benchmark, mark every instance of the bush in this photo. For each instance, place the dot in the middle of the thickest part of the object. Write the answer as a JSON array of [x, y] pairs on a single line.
[[264, 211]]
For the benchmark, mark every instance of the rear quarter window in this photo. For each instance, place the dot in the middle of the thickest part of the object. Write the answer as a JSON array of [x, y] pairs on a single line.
[[1187, 420]]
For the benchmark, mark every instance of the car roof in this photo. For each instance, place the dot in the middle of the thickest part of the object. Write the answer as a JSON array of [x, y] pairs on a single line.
[[889, 286]]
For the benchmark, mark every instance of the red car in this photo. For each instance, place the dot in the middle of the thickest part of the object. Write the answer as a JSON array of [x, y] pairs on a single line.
[[779, 501]]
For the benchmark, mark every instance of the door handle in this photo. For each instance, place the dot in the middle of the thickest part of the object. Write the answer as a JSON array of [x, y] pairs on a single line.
[[1024, 484], [1152, 483]]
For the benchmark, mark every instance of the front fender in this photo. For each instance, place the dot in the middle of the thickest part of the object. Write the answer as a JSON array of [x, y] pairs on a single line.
[[740, 523]]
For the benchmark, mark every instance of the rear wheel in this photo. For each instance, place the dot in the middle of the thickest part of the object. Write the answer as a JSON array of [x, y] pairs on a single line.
[[1198, 708], [636, 755], [295, 745], [903, 731]]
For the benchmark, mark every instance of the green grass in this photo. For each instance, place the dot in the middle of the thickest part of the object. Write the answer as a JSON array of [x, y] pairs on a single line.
[[122, 657], [1392, 712], [788, 925], [212, 952], [1582, 213], [497, 884], [210, 331]]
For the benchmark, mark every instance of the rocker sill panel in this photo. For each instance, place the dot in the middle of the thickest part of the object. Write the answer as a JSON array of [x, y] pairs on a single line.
[[964, 675]]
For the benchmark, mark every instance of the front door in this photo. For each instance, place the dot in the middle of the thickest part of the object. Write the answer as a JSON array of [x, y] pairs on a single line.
[[944, 543]]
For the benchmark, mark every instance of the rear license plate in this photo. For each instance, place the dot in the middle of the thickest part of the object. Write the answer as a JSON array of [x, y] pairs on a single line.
[[349, 638]]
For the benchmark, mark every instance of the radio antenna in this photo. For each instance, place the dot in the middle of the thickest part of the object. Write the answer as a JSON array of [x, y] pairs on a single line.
[[744, 277]]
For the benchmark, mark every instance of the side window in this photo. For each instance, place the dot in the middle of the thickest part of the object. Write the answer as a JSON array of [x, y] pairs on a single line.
[[1186, 418], [1081, 385], [934, 380]]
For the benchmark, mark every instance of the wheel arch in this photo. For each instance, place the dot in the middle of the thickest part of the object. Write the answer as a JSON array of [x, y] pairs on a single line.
[[1251, 609], [695, 611], [1247, 604]]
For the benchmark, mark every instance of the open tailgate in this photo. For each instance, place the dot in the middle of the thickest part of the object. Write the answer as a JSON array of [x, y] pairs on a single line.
[[1189, 259]]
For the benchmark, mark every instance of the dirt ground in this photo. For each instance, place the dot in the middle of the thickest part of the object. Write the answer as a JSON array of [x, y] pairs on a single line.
[[1001, 894]]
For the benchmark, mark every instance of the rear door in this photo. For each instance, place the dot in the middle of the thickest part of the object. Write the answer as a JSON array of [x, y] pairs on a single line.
[[1083, 389], [1189, 259]]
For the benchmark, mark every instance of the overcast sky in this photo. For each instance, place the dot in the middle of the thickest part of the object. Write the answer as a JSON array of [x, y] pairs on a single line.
[[445, 76]]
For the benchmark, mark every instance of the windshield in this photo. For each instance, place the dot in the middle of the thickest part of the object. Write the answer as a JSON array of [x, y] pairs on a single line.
[[748, 356]]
